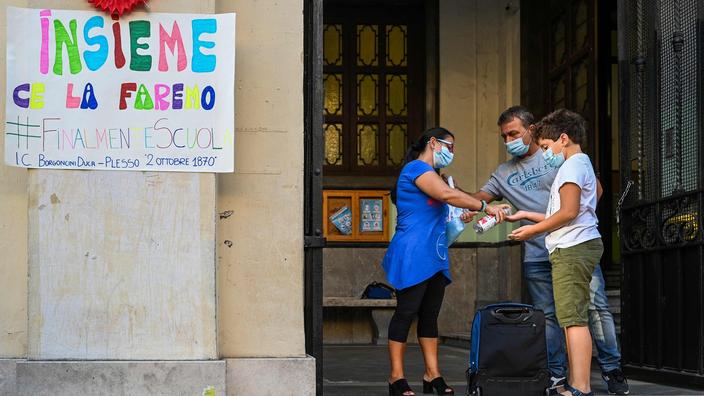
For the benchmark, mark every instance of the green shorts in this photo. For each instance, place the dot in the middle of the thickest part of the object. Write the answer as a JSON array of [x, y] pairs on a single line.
[[572, 270]]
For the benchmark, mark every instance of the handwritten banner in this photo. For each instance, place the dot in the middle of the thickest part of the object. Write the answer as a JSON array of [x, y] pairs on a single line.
[[147, 92]]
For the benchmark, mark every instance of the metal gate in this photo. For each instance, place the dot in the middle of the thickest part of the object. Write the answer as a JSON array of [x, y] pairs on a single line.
[[661, 117], [313, 183]]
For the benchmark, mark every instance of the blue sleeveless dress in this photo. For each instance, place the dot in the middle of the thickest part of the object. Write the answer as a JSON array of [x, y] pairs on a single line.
[[418, 249]]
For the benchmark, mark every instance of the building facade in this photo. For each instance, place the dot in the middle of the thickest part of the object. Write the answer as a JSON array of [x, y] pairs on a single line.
[[173, 283]]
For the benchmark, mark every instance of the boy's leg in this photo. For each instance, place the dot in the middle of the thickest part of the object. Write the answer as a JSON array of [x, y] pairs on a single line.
[[539, 281], [572, 269], [579, 353]]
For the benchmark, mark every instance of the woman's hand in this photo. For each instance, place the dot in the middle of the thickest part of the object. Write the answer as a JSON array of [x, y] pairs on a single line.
[[523, 233], [520, 215], [468, 216]]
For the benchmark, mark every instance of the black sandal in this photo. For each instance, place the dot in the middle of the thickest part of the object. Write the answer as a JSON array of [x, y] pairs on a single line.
[[577, 392], [439, 385], [399, 387]]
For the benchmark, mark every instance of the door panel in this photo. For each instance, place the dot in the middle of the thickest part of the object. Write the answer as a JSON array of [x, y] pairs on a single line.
[[660, 58]]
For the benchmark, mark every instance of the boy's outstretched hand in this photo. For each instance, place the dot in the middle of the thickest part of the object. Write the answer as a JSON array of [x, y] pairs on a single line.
[[522, 233], [520, 215]]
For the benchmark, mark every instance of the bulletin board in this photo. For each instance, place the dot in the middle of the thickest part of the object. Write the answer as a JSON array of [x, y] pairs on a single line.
[[356, 215]]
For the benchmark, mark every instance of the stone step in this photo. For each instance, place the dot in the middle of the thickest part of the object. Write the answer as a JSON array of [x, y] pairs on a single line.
[[457, 340]]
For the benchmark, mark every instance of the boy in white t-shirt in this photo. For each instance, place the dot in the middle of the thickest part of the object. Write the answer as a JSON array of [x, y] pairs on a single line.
[[573, 239]]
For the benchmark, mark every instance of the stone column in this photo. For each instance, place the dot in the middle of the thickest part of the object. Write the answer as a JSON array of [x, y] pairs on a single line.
[[121, 267]]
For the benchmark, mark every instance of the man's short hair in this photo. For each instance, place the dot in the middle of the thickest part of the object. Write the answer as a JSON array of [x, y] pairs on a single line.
[[519, 112], [562, 121]]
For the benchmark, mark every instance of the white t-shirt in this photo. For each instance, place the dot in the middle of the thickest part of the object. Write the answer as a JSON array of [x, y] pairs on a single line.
[[577, 169]]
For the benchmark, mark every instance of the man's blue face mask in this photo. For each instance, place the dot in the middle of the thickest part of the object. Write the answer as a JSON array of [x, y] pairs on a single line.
[[517, 148]]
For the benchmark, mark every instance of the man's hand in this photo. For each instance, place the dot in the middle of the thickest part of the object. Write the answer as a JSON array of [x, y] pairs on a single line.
[[497, 211], [523, 233], [468, 216]]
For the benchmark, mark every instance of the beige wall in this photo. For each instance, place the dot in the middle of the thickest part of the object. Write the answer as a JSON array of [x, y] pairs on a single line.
[[479, 78], [13, 234], [260, 277], [122, 299], [117, 274]]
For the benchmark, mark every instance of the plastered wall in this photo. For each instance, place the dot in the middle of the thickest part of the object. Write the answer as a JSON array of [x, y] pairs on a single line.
[[259, 256], [260, 244], [479, 78]]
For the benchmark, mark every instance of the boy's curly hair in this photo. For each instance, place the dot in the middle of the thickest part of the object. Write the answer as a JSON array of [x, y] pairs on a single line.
[[562, 121]]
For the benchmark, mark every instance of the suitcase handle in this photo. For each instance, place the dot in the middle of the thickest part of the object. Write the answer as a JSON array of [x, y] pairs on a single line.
[[522, 314]]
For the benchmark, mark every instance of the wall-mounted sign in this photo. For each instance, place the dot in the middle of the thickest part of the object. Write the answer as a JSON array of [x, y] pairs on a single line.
[[372, 217], [356, 215], [146, 92]]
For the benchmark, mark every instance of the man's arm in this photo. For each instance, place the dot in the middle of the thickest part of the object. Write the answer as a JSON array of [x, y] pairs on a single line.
[[483, 195], [599, 190]]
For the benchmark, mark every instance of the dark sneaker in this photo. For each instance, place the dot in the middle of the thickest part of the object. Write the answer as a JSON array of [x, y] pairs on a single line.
[[556, 385], [616, 382]]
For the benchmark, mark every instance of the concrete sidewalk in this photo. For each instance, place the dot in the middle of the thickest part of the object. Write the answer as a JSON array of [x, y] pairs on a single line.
[[362, 370]]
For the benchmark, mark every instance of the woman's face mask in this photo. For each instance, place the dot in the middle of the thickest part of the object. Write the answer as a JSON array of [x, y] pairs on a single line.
[[443, 157]]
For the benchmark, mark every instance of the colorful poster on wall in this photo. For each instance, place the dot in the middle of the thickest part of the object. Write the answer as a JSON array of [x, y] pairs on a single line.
[[342, 220], [150, 91], [371, 220]]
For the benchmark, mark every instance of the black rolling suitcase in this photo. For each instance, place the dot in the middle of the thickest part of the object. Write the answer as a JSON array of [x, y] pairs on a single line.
[[508, 355]]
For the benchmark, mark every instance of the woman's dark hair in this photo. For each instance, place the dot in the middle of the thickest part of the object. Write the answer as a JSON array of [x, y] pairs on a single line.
[[417, 147]]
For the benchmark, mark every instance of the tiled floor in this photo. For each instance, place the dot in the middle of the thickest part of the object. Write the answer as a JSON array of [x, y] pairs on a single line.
[[362, 371]]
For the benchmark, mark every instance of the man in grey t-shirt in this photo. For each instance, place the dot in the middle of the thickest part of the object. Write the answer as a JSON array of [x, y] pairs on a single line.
[[525, 182]]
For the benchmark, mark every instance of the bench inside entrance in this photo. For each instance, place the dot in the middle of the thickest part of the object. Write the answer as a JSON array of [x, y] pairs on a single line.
[[381, 310]]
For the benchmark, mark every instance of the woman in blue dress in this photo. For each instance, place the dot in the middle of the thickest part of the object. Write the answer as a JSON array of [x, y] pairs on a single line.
[[416, 262]]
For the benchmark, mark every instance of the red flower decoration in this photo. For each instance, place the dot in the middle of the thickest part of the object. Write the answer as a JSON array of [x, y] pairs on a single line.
[[116, 7]]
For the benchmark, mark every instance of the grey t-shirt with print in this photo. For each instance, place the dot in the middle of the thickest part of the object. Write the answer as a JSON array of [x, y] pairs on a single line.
[[525, 183]]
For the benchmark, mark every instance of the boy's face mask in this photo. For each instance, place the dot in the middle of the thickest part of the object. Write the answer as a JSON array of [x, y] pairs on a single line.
[[552, 159]]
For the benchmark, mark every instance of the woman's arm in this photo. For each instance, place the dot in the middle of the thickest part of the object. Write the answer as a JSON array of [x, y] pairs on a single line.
[[479, 195], [570, 195], [432, 184]]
